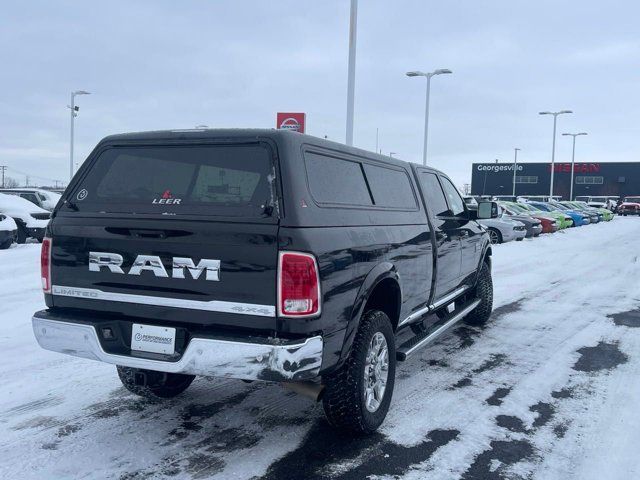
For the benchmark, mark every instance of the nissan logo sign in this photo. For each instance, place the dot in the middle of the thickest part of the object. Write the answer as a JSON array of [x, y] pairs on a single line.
[[290, 124]]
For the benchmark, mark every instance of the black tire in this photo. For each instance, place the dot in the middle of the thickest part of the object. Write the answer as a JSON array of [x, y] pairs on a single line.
[[6, 244], [494, 235], [22, 234], [165, 385], [484, 292], [344, 398]]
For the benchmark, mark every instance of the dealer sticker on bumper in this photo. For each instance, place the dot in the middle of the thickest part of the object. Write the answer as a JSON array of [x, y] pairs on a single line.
[[148, 338]]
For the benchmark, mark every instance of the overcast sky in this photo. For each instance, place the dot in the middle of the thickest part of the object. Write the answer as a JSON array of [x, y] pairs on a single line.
[[167, 64]]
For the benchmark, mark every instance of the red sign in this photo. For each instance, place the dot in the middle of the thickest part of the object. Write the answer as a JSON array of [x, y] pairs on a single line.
[[291, 121], [577, 168]]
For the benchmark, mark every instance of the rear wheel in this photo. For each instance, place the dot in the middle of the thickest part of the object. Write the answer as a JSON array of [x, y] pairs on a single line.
[[22, 234], [153, 385], [6, 244], [495, 236], [484, 293], [358, 395]]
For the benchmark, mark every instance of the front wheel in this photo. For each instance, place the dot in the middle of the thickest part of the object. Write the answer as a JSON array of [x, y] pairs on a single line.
[[358, 395], [6, 244], [484, 293], [153, 385]]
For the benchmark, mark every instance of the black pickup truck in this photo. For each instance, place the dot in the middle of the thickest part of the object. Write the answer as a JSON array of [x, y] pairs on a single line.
[[259, 255]]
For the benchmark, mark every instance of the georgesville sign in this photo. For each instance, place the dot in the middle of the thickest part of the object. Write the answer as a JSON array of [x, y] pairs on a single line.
[[557, 168]]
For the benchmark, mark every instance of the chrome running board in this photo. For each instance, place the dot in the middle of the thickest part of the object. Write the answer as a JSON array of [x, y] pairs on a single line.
[[434, 306], [416, 343]]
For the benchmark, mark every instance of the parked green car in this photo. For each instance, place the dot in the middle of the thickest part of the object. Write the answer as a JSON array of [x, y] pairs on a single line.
[[607, 215], [563, 220]]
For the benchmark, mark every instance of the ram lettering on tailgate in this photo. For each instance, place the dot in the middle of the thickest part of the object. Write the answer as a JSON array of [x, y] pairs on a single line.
[[113, 263]]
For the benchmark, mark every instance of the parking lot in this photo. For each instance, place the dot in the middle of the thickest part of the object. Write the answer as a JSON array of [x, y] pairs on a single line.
[[548, 389]]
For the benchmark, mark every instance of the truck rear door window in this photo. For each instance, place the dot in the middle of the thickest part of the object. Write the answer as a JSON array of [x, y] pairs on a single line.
[[224, 180], [336, 181]]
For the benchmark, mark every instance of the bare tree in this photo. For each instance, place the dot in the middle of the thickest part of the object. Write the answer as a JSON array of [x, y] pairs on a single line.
[[10, 182]]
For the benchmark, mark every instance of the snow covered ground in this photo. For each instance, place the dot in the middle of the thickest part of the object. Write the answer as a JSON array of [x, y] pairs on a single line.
[[549, 389]]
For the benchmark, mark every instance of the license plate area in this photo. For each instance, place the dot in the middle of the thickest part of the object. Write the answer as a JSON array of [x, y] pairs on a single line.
[[153, 339]]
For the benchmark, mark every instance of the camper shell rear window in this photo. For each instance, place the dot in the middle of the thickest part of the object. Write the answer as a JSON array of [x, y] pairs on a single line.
[[218, 180]]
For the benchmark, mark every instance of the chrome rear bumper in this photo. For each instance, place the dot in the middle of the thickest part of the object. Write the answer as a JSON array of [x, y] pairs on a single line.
[[274, 360]]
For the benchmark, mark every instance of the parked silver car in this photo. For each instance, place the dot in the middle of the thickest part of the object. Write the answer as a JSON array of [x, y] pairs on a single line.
[[532, 225], [504, 229]]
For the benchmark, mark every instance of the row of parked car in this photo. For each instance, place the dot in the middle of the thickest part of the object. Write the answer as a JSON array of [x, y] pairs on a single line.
[[24, 213], [528, 217]]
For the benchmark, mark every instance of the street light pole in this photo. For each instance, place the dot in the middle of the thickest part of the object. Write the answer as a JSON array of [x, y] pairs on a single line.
[[351, 79], [428, 75], [515, 164], [74, 114], [553, 148], [573, 158]]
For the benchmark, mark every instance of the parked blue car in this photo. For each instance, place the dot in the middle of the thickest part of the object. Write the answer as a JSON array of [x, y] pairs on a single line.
[[578, 218]]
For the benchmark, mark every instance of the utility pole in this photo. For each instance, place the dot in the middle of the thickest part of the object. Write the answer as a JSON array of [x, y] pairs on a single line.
[[573, 159], [3, 168], [428, 76], [351, 75], [553, 147], [74, 113], [515, 165]]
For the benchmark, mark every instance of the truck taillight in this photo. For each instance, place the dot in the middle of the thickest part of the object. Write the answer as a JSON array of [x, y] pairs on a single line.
[[45, 265], [298, 285]]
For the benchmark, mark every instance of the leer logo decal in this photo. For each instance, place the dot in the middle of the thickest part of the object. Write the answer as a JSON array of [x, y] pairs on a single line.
[[166, 199]]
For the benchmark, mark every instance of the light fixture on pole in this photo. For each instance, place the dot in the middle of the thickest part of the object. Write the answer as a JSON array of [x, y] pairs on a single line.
[[573, 158], [428, 75], [74, 114], [515, 165], [351, 75], [553, 148]]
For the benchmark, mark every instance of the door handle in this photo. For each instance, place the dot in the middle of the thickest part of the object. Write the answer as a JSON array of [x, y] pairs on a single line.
[[441, 236]]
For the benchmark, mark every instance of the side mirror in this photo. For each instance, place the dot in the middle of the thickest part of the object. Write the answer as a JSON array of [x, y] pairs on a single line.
[[488, 210]]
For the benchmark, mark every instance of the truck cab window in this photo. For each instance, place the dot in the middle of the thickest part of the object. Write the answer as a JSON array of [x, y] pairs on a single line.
[[433, 193]]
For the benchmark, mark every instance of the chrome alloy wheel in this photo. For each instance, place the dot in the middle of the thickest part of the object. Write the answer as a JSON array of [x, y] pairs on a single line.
[[493, 237], [376, 372]]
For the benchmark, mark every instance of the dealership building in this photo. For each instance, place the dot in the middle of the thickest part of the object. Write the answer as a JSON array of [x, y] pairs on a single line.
[[594, 179]]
